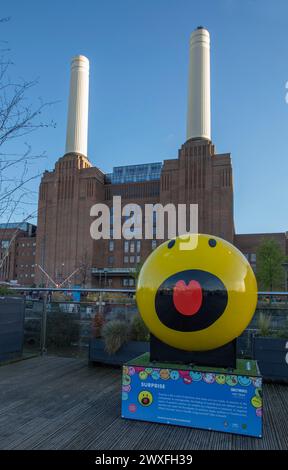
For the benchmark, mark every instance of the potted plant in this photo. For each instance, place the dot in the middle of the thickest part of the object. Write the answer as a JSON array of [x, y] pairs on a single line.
[[120, 341], [270, 348]]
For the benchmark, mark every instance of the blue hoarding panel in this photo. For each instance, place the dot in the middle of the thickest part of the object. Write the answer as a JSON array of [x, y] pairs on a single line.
[[220, 402]]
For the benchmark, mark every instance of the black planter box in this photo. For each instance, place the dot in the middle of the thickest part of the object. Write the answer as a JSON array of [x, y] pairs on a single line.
[[11, 327], [127, 352], [272, 357]]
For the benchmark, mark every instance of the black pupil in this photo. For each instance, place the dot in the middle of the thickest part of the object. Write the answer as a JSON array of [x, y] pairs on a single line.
[[171, 243]]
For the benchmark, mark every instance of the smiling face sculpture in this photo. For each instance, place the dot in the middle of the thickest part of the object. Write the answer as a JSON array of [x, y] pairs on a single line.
[[196, 299]]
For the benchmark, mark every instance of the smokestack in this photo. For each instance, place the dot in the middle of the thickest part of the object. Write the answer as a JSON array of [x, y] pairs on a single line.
[[199, 113], [77, 123]]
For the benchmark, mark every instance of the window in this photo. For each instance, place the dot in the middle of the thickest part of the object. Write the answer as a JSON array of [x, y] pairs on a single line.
[[5, 244], [32, 275], [110, 260], [131, 282], [253, 257], [110, 282], [132, 259], [23, 244], [138, 259], [132, 247], [126, 247], [125, 282], [34, 244], [126, 259], [154, 244], [138, 246], [111, 245]]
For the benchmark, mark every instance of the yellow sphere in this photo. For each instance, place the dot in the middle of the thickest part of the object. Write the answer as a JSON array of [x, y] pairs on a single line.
[[196, 295]]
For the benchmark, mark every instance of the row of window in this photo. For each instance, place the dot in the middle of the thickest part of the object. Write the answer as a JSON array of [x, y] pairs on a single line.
[[127, 259], [132, 259], [26, 244], [5, 244], [25, 275], [128, 282], [131, 246], [25, 265]]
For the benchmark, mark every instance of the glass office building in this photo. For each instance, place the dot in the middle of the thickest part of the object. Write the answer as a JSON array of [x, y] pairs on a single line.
[[135, 173]]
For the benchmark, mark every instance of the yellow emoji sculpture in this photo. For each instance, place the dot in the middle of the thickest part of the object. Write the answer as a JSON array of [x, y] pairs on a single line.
[[196, 298]]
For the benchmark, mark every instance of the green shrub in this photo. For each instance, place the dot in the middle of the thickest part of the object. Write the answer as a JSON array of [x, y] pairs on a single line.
[[264, 324], [4, 291], [114, 333], [59, 297], [139, 331]]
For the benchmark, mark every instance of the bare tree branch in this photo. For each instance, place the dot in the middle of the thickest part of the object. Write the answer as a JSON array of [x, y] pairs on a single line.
[[19, 117]]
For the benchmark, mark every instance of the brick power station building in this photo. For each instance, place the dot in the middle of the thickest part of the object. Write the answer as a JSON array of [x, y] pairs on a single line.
[[64, 246]]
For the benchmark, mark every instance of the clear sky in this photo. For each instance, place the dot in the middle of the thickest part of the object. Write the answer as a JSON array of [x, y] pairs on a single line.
[[138, 52]]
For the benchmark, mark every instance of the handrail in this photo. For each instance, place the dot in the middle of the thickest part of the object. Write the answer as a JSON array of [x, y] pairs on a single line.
[[68, 289], [84, 289], [273, 293]]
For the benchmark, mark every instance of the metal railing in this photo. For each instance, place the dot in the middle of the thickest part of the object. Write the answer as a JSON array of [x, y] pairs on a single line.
[[46, 319], [43, 315]]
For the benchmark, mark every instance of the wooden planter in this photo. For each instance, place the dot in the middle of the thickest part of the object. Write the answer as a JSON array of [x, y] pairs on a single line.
[[11, 327], [127, 352], [272, 357]]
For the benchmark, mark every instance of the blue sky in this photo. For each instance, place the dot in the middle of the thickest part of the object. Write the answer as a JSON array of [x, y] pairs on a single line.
[[138, 53]]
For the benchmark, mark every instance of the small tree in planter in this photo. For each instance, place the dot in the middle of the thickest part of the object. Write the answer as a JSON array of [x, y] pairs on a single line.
[[97, 325], [120, 342], [115, 335], [271, 350], [139, 331]]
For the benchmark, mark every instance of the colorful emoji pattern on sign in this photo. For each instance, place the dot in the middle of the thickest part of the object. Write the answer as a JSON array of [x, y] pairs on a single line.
[[150, 380]]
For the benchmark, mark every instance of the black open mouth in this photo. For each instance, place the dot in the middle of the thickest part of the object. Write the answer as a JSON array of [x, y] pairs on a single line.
[[145, 401], [190, 300]]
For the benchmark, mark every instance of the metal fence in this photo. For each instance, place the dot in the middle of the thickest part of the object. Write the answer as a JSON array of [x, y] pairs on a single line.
[[64, 326]]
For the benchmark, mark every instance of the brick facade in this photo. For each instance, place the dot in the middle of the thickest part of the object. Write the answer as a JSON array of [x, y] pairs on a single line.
[[17, 253], [197, 176]]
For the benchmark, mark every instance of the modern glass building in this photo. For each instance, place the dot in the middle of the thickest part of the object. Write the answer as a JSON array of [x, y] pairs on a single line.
[[135, 173]]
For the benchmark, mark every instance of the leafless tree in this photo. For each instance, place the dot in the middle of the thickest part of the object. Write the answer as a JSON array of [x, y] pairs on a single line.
[[18, 118]]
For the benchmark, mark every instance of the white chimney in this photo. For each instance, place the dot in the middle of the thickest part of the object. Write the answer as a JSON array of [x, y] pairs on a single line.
[[77, 123], [199, 113]]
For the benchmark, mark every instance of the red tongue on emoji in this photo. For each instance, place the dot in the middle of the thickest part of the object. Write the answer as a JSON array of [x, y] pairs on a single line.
[[187, 298]]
